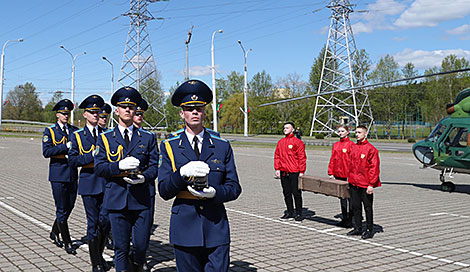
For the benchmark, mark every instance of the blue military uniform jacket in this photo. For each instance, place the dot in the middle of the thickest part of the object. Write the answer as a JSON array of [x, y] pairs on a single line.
[[81, 155], [110, 149], [198, 222], [54, 142]]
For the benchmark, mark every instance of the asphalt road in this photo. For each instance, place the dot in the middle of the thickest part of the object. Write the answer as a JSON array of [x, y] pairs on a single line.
[[381, 146], [418, 227]]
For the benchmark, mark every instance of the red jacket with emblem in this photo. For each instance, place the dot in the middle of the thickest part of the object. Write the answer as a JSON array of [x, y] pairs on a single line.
[[340, 160], [290, 155], [364, 168]]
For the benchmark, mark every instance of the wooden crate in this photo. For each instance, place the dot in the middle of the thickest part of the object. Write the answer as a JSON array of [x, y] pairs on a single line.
[[325, 186]]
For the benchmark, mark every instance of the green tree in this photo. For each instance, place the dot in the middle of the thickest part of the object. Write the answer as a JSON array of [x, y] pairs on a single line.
[[384, 98], [361, 67], [49, 115], [315, 72], [152, 92], [261, 85], [23, 104]]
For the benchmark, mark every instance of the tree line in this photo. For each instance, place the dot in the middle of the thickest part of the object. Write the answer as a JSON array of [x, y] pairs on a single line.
[[420, 101]]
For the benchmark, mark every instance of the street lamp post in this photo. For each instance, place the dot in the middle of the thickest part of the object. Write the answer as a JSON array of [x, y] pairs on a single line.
[[245, 90], [2, 69], [73, 77], [112, 76], [214, 94], [112, 89]]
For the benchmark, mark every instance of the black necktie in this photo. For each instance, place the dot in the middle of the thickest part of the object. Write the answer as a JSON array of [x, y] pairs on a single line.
[[94, 133], [126, 137], [64, 128], [196, 147]]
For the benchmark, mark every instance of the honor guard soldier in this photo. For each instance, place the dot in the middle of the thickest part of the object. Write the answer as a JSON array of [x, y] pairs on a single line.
[[127, 158], [63, 177], [198, 168], [139, 113], [91, 186], [104, 115]]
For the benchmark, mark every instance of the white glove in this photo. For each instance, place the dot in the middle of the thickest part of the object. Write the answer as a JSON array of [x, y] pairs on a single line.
[[69, 145], [206, 192], [195, 169], [140, 179], [129, 163]]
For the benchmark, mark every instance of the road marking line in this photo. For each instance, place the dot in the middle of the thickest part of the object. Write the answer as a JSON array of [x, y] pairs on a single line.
[[449, 214], [44, 226], [8, 197], [332, 229], [342, 236]]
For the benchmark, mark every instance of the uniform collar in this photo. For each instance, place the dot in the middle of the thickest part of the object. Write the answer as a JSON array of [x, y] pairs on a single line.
[[344, 139], [90, 128], [290, 135], [190, 136], [363, 142], [62, 125], [129, 129]]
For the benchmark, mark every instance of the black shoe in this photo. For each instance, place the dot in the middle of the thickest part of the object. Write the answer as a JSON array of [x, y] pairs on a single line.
[[367, 234], [54, 235], [287, 216], [55, 239], [355, 232], [64, 232], [298, 217], [98, 268]]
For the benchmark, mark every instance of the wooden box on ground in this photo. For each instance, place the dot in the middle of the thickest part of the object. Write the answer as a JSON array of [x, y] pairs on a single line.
[[325, 186]]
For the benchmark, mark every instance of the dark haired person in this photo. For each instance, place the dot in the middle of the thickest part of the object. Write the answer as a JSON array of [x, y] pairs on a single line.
[[63, 177], [338, 168], [290, 163], [363, 177], [199, 227]]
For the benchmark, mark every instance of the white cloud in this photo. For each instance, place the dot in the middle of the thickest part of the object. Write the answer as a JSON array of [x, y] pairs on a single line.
[[428, 13], [462, 31], [377, 16], [427, 59], [198, 71]]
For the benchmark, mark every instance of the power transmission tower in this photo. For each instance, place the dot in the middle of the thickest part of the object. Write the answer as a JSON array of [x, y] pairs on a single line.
[[138, 67], [351, 107]]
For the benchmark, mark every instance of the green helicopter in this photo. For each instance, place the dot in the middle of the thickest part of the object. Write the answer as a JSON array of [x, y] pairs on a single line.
[[447, 148]]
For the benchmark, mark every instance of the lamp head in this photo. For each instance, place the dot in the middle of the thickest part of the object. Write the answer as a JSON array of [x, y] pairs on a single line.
[[221, 31], [240, 42], [61, 46], [104, 58], [20, 40]]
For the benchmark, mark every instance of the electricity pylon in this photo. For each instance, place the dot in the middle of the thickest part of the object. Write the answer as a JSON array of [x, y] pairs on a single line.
[[350, 108], [138, 67]]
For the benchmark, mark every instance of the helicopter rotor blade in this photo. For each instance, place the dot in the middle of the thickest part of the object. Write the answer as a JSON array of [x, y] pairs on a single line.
[[364, 86]]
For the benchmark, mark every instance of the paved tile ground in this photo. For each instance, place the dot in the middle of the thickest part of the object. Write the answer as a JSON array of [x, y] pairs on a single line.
[[419, 228]]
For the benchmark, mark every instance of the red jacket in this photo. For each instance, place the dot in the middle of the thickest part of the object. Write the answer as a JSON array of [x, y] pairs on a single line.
[[339, 161], [364, 168], [290, 155]]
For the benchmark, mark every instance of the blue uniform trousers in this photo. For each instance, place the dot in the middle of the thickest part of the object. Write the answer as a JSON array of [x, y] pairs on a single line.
[[202, 259], [96, 215], [65, 194], [122, 223]]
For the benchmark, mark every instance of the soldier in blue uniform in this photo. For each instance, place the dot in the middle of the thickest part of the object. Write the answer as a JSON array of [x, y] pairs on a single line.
[[199, 228], [90, 186], [138, 123], [63, 177], [127, 158], [104, 115]]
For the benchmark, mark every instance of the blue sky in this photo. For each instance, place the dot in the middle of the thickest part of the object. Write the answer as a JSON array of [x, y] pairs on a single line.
[[285, 37]]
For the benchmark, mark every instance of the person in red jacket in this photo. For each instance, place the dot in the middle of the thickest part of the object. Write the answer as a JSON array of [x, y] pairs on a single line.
[[289, 163], [363, 178], [338, 168]]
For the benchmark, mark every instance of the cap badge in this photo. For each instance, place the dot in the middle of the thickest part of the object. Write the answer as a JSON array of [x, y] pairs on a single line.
[[138, 108], [65, 108], [128, 88], [192, 82], [127, 99], [94, 105], [194, 97]]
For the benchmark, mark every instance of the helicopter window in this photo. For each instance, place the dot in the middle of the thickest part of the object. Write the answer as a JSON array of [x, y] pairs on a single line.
[[437, 132], [457, 137]]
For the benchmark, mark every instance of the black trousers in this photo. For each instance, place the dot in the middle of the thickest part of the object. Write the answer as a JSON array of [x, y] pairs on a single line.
[[290, 188], [346, 206], [359, 197]]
